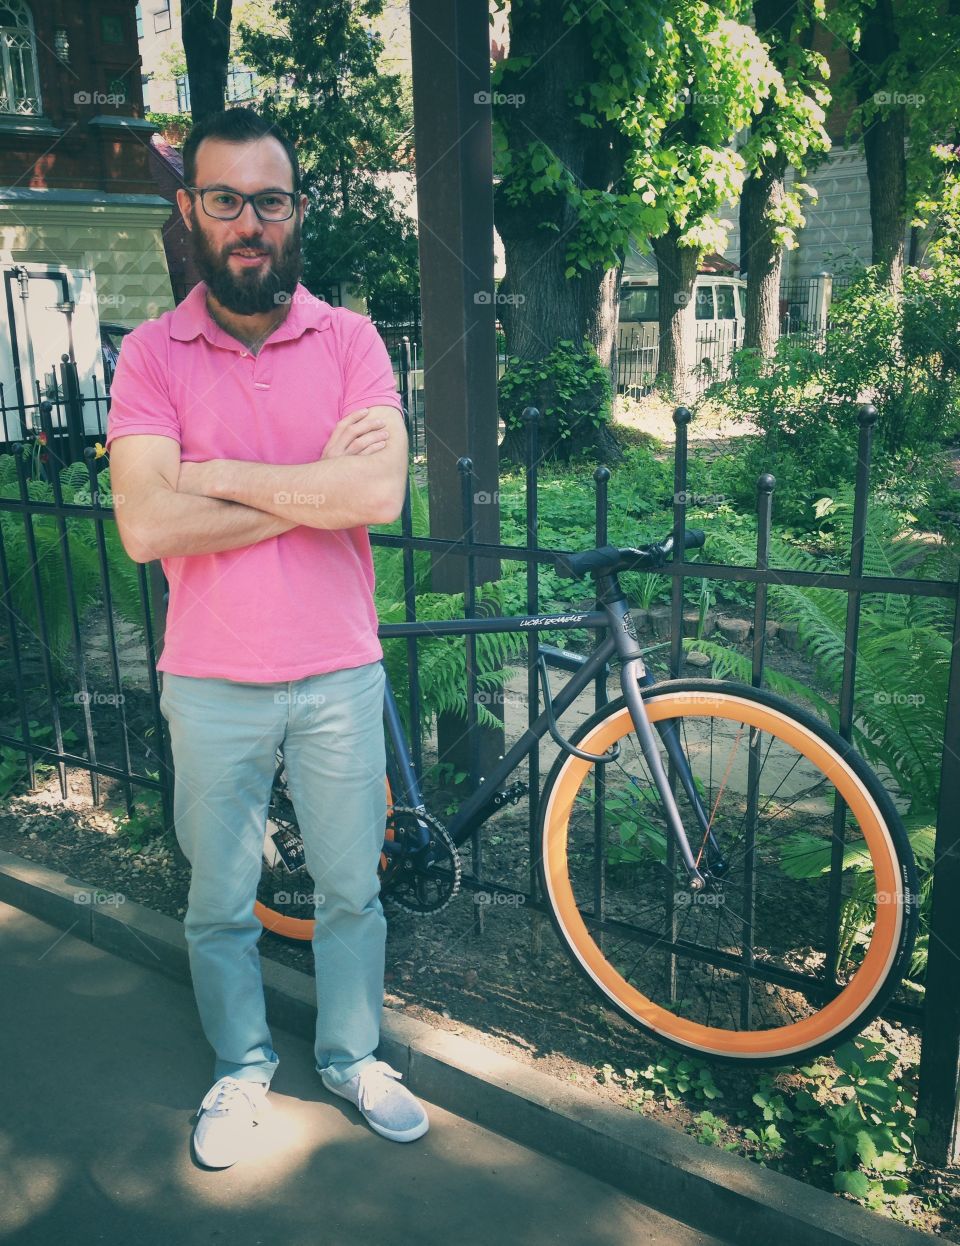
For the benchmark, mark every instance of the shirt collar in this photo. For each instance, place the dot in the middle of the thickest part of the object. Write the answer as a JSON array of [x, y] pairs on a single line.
[[192, 318]]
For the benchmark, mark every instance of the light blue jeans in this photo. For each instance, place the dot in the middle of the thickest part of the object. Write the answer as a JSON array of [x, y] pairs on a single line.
[[224, 736]]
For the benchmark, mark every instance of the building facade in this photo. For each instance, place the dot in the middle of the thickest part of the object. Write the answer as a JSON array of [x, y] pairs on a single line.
[[80, 217]]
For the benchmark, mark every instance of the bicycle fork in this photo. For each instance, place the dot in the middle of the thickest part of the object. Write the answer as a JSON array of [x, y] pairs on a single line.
[[633, 676]]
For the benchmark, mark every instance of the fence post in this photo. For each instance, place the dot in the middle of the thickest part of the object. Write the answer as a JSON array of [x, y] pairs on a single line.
[[818, 303], [72, 408], [681, 418], [938, 1099]]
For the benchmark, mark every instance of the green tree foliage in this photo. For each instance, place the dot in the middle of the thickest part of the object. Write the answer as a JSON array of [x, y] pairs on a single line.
[[623, 128], [904, 85], [323, 84]]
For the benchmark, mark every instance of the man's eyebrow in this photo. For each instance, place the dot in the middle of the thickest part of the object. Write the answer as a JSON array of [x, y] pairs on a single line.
[[264, 191]]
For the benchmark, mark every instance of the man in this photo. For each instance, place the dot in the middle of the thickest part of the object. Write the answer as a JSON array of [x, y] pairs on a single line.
[[255, 432]]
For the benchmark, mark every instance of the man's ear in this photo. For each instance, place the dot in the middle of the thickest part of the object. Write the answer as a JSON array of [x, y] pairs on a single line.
[[185, 204]]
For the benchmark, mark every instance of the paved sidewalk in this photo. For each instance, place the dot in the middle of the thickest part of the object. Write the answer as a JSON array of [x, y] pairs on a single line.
[[102, 1067]]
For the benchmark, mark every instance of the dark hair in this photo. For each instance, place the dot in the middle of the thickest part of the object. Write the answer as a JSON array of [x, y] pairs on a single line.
[[235, 125]]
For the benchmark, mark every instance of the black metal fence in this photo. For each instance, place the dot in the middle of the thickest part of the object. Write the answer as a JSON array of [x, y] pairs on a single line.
[[40, 547], [58, 414]]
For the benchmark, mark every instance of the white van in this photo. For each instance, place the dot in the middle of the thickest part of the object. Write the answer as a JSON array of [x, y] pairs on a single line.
[[719, 307]]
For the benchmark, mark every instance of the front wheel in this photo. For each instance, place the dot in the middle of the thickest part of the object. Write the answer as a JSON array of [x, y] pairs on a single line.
[[808, 919]]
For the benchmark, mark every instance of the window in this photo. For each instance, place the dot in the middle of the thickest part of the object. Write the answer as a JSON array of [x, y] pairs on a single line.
[[725, 306], [61, 45], [639, 303], [703, 297], [145, 91], [161, 17], [183, 93], [241, 84], [139, 14], [19, 80]]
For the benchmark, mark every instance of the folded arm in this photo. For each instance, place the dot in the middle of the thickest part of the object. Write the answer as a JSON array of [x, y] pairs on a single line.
[[157, 521], [343, 489]]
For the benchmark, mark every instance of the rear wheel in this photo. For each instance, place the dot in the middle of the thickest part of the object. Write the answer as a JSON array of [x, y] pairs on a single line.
[[727, 971]]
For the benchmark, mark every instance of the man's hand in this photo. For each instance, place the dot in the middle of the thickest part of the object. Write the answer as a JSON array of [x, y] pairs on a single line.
[[360, 432]]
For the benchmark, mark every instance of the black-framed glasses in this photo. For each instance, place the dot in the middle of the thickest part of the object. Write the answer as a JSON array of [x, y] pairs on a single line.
[[226, 205]]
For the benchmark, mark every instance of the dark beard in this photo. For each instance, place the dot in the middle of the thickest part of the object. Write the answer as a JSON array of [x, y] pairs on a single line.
[[248, 293]]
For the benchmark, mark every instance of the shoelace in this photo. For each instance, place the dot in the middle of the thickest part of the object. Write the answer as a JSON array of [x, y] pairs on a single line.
[[223, 1095], [373, 1083]]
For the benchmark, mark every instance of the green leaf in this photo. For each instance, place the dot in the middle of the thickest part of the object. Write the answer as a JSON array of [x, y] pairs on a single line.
[[866, 1148], [855, 1183]]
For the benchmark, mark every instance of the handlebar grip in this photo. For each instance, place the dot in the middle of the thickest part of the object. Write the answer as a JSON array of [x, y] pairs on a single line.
[[694, 538], [576, 566]]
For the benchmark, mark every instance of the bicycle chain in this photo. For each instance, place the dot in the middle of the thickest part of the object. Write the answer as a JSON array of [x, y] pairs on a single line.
[[440, 840]]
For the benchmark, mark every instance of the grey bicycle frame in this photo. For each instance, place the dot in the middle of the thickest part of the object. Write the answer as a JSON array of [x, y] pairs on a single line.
[[622, 640]]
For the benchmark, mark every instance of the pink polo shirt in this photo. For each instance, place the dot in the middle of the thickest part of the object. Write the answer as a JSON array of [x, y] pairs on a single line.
[[296, 604]]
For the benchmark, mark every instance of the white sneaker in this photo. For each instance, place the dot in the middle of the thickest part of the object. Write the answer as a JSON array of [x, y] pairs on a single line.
[[390, 1109], [226, 1120]]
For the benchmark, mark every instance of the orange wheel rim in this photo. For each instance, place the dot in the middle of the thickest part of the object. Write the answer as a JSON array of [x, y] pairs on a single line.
[[799, 1035]]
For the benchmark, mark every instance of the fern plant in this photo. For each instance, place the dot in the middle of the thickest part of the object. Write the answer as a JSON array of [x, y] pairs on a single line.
[[903, 666]]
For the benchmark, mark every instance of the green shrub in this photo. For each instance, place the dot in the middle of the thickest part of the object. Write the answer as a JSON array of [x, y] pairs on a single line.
[[567, 386], [900, 352]]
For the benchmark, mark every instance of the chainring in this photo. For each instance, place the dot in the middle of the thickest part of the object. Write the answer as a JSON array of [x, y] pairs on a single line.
[[408, 884]]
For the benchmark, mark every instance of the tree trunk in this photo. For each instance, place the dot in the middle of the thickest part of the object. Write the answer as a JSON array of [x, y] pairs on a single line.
[[762, 194], [538, 306], [676, 274], [205, 29], [884, 143]]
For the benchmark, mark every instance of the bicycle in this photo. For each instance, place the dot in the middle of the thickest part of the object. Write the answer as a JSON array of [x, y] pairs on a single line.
[[677, 830]]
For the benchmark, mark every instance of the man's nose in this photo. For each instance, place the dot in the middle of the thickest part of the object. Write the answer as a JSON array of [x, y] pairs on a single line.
[[249, 219]]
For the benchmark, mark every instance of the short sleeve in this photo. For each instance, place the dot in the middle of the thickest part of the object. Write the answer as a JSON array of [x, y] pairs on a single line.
[[139, 395], [367, 372]]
